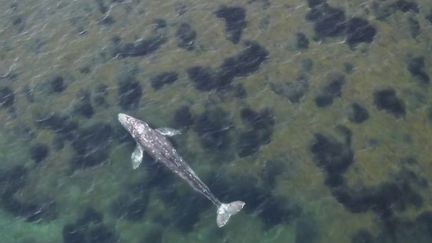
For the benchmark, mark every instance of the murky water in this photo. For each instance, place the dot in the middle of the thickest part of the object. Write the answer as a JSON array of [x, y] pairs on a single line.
[[318, 114]]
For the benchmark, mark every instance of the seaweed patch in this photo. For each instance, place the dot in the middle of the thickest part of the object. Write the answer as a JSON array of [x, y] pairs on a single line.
[[183, 117], [86, 153], [130, 93], [387, 100], [416, 67], [358, 114], [39, 152], [139, 48], [293, 90], [331, 22], [234, 21], [213, 128], [89, 228], [11, 181], [57, 84], [302, 42], [204, 78], [163, 79], [7, 97], [259, 131], [244, 63], [132, 203], [186, 36], [83, 106], [330, 91]]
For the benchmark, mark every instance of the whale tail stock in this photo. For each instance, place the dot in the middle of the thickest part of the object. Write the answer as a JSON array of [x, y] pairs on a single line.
[[226, 210]]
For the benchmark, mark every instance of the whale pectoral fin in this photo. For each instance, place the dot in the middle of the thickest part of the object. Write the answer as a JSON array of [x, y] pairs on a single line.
[[166, 131], [137, 156]]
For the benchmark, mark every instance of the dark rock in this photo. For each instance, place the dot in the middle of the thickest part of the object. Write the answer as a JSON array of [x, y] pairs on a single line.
[[204, 79], [234, 21], [359, 30], [244, 63], [416, 67], [183, 117], [39, 152], [91, 145], [7, 97], [212, 127], [302, 41], [162, 79], [141, 48], [130, 93], [358, 113], [406, 6], [186, 36], [386, 100], [248, 143], [57, 84], [84, 107]]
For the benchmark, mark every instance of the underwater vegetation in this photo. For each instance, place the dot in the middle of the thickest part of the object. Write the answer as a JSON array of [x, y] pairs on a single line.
[[235, 21]]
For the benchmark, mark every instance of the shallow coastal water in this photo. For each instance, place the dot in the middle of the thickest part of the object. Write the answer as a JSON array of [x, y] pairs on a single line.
[[317, 114]]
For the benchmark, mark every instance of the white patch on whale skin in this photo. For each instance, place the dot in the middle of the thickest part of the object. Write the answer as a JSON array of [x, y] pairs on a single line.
[[166, 131], [137, 156]]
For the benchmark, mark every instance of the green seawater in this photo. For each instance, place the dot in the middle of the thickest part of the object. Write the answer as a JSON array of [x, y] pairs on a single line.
[[385, 195]]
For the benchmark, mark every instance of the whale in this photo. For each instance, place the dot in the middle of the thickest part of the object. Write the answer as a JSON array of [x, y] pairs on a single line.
[[155, 143]]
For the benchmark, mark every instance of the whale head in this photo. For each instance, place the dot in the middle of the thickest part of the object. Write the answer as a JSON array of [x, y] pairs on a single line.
[[128, 122]]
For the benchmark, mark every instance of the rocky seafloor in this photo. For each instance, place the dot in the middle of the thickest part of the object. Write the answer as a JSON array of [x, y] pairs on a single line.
[[317, 114]]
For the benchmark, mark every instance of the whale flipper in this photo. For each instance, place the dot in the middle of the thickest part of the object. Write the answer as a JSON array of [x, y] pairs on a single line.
[[137, 156], [166, 131], [226, 210]]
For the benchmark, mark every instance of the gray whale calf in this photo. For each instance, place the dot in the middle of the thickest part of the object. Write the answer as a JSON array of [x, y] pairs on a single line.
[[154, 142]]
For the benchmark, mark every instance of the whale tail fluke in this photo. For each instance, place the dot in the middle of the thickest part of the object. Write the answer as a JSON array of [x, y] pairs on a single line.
[[226, 210]]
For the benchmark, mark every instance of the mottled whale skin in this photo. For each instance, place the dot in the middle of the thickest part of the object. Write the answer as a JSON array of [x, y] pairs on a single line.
[[155, 143]]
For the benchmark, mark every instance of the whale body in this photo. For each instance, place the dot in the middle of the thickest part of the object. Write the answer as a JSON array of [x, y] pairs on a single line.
[[155, 143]]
